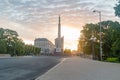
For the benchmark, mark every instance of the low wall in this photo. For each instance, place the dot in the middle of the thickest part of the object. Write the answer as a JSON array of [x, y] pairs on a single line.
[[86, 56], [4, 55]]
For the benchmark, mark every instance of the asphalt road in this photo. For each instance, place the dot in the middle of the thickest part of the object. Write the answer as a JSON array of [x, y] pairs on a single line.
[[26, 68]]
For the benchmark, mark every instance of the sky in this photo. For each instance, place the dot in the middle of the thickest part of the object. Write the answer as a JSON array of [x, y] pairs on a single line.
[[39, 18]]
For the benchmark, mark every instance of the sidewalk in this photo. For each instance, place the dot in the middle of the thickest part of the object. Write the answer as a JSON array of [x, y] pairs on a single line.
[[76, 68]]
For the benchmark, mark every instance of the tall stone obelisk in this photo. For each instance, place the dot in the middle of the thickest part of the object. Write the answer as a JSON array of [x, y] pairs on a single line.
[[59, 28], [59, 41]]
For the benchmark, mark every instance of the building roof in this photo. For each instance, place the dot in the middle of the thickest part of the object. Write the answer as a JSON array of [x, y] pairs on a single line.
[[41, 39]]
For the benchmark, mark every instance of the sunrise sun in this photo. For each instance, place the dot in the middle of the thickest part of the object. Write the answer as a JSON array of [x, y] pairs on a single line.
[[71, 35]]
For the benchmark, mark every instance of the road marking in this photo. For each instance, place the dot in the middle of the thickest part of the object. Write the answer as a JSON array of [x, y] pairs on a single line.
[[52, 68]]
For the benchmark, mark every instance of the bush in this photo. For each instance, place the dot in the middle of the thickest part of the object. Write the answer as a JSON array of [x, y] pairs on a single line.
[[112, 60]]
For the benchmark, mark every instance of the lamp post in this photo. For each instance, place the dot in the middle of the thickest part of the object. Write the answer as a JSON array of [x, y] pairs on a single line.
[[99, 12]]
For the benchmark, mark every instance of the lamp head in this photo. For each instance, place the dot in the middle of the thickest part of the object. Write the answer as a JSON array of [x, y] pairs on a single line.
[[94, 11]]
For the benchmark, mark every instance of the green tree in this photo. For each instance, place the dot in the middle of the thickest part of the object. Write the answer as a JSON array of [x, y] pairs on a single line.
[[11, 44], [67, 52], [7, 37], [31, 50], [117, 9], [3, 48], [110, 38], [116, 48], [88, 31], [36, 51], [19, 47]]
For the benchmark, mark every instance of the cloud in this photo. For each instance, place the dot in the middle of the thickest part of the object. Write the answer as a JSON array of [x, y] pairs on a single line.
[[27, 11], [39, 18]]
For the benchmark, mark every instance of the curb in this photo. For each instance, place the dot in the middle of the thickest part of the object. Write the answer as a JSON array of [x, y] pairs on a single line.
[[38, 78]]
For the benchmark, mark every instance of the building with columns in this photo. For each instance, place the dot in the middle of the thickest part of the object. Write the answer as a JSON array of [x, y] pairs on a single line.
[[47, 47]]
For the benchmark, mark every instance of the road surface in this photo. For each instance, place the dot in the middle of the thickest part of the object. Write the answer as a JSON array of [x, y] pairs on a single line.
[[76, 68], [26, 68]]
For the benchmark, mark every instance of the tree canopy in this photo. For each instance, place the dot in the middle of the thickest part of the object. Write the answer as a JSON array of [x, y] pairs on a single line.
[[110, 39], [117, 9], [11, 44]]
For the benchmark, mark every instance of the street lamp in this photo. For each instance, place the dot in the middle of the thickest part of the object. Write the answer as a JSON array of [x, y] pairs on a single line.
[[99, 12]]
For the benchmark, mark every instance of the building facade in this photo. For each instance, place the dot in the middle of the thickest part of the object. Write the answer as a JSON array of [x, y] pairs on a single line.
[[47, 47], [59, 41]]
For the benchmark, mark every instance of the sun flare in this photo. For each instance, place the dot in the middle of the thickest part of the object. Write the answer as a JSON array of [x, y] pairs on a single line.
[[71, 36]]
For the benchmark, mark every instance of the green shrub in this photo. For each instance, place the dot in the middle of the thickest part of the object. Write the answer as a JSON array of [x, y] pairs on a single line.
[[112, 60]]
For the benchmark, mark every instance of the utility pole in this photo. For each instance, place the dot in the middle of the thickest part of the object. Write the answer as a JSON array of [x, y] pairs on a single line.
[[101, 51]]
